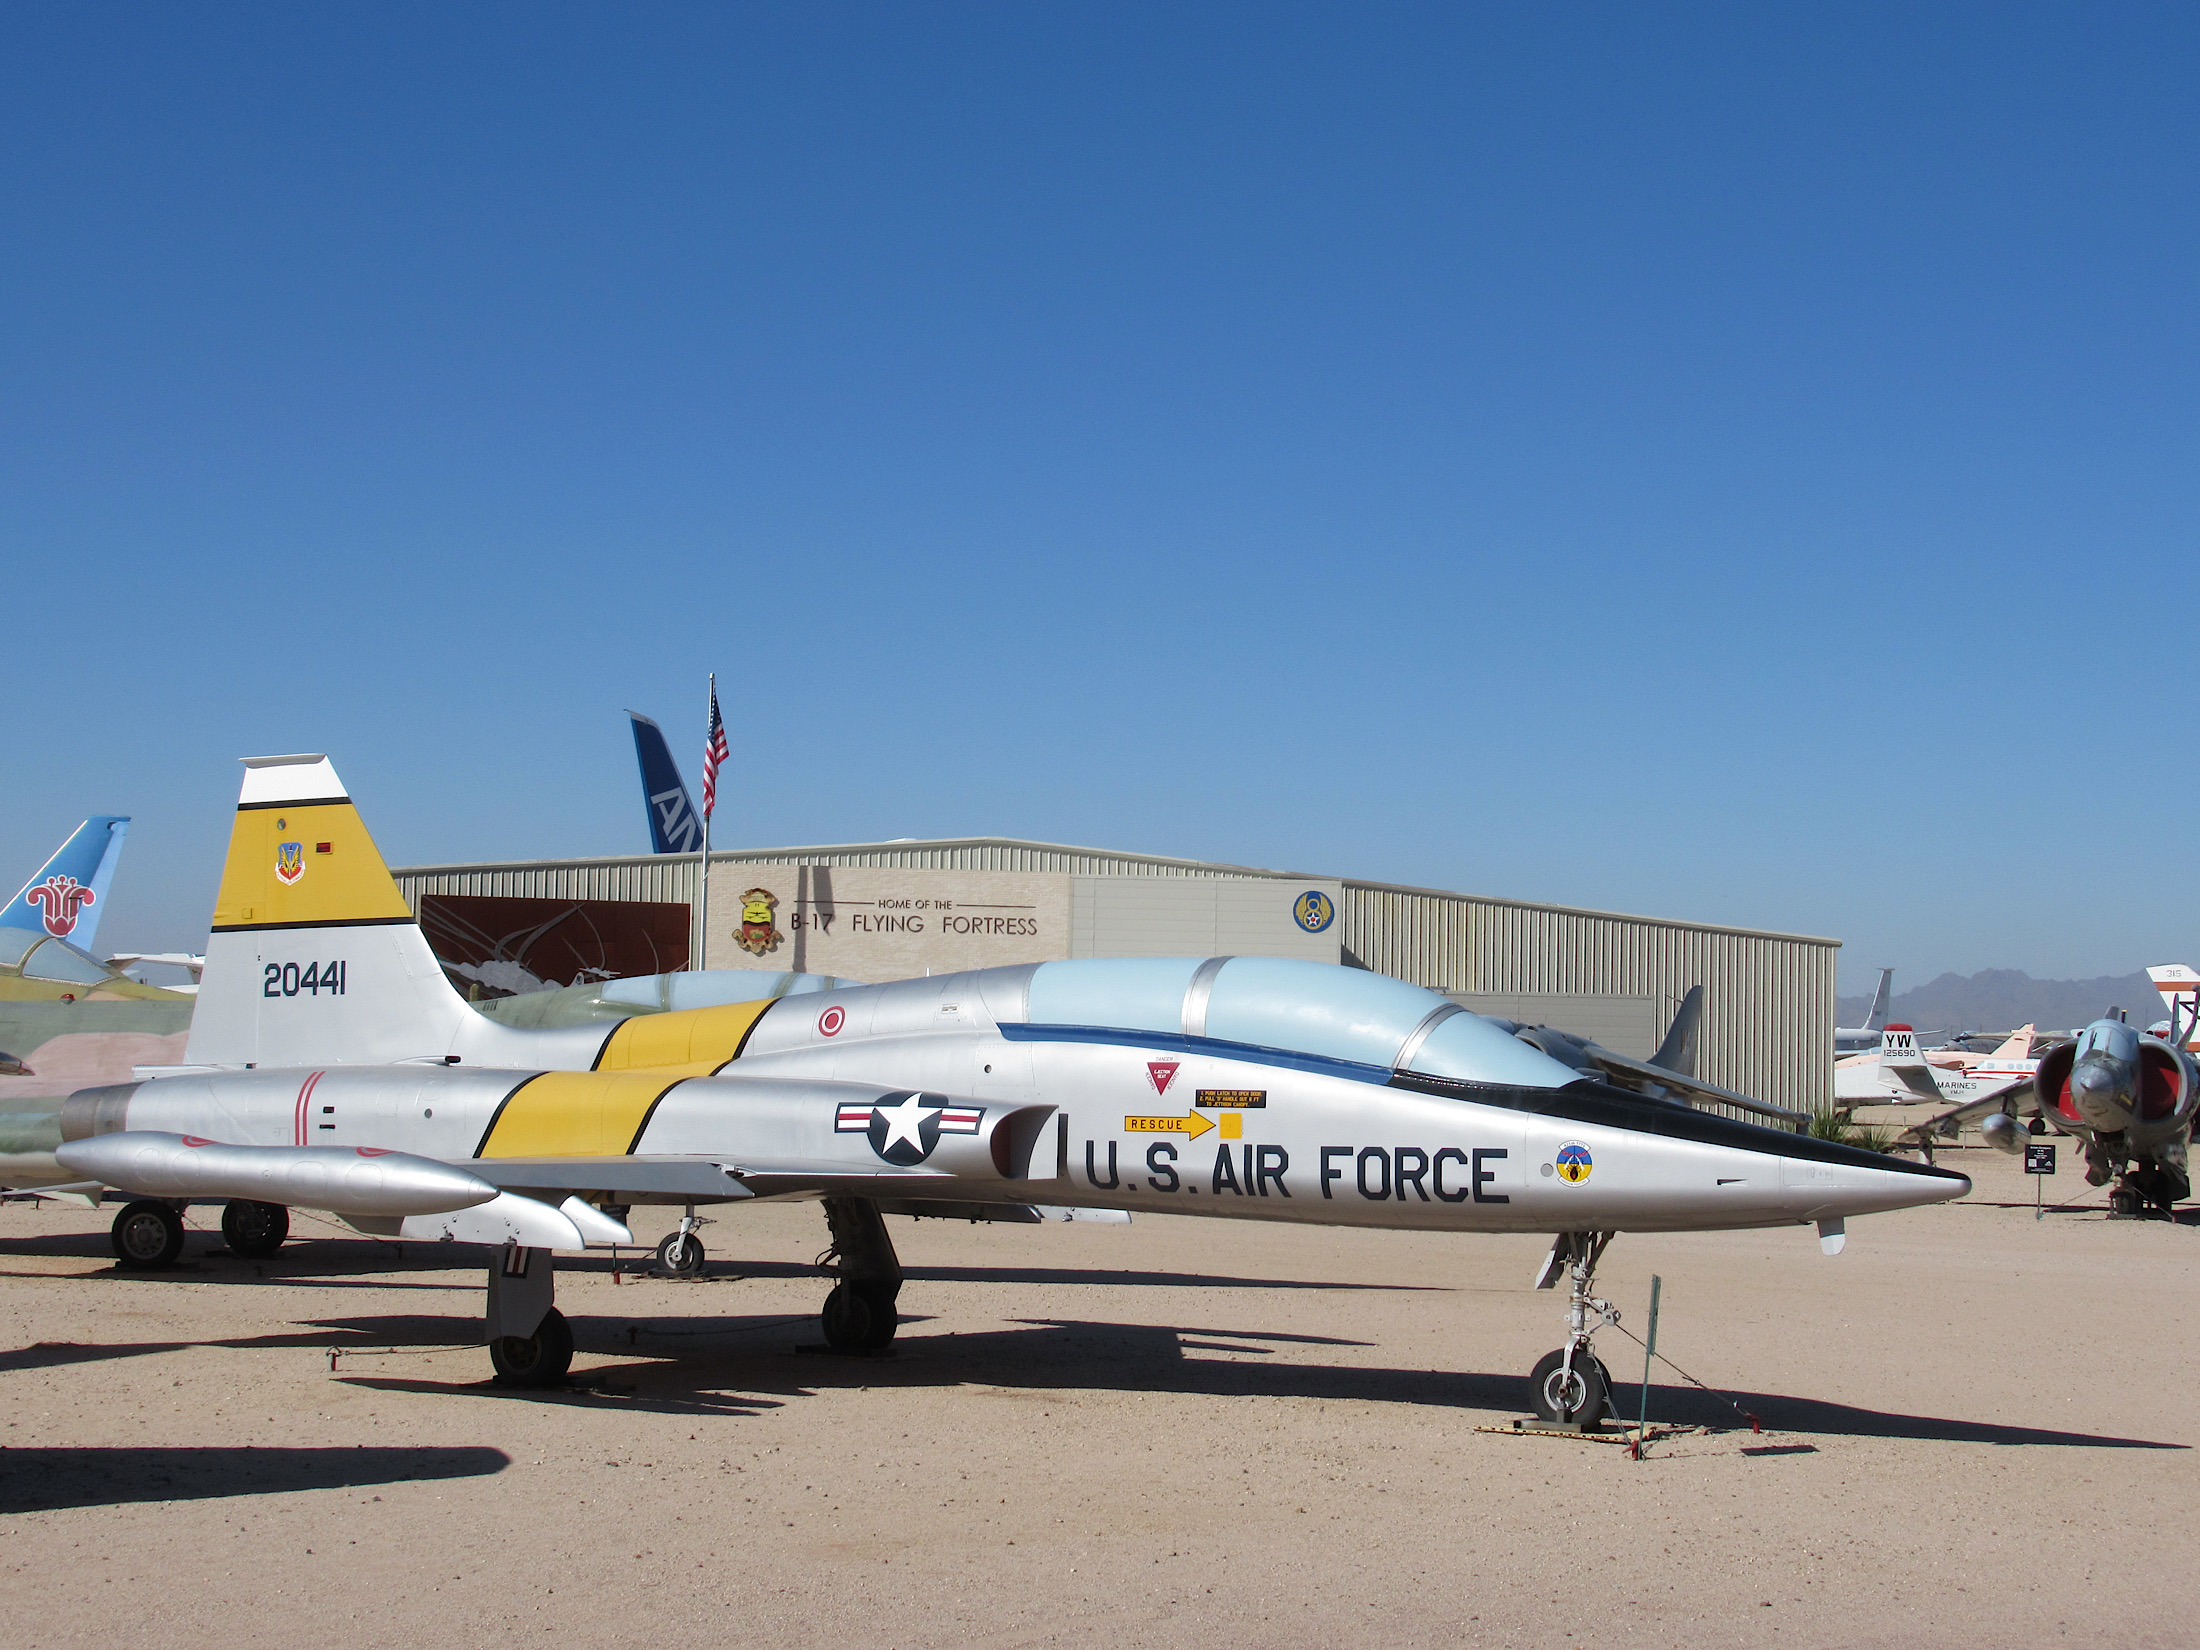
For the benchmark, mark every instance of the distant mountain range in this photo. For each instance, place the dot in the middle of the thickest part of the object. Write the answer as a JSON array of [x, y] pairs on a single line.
[[2001, 999]]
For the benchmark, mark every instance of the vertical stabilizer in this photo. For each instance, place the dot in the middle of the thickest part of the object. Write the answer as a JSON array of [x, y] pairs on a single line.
[[1877, 1018], [1678, 1051], [68, 896], [2179, 989], [674, 825], [314, 958]]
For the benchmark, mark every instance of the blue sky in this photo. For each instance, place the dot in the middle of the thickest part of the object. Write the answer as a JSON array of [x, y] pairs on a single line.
[[1734, 464]]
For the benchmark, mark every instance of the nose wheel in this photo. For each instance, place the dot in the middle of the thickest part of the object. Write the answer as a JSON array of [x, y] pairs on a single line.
[[1569, 1394], [1571, 1387]]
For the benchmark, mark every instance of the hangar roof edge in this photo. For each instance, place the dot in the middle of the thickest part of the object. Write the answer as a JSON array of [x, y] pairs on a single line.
[[796, 855]]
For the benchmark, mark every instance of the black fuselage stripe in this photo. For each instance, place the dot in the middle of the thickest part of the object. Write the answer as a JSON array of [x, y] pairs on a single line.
[[1607, 1106], [325, 922], [298, 802], [642, 1128]]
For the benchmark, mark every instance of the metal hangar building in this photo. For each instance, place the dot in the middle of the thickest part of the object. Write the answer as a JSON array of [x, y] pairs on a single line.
[[891, 910]]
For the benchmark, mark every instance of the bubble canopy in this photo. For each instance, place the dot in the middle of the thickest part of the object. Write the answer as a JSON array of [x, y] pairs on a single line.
[[1285, 1003]]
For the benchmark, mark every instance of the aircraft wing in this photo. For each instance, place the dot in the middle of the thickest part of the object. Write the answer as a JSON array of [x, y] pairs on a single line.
[[1946, 1125], [723, 1179]]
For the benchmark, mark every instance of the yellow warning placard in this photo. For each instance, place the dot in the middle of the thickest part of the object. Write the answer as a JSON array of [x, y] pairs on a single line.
[[1193, 1126]]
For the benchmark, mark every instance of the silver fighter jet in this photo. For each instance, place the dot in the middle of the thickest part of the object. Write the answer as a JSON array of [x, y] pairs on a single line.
[[332, 1067]]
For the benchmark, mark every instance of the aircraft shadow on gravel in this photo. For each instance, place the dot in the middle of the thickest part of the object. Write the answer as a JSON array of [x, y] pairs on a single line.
[[694, 1365], [43, 1480]]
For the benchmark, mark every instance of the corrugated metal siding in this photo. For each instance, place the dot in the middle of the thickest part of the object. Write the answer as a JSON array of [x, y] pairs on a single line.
[[1768, 998]]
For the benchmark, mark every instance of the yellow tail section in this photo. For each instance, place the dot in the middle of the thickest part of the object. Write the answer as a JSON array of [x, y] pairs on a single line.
[[304, 864]]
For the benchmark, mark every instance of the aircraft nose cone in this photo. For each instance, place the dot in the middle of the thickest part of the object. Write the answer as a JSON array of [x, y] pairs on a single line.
[[2102, 1092]]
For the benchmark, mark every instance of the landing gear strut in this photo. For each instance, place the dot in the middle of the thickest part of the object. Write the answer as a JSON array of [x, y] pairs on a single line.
[[860, 1313], [1571, 1387], [148, 1235]]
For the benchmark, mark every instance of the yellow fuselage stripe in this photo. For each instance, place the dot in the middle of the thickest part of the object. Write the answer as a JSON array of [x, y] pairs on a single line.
[[576, 1114], [692, 1042]]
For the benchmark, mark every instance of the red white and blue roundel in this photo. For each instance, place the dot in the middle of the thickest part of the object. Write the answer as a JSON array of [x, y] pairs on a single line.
[[905, 1127]]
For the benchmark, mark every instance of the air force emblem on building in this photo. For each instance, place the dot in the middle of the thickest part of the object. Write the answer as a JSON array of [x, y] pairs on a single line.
[[1313, 911], [290, 861], [758, 933], [905, 1127]]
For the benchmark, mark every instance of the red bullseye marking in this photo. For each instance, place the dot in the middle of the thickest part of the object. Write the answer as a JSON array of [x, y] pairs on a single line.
[[830, 1022], [194, 1140], [372, 1151]]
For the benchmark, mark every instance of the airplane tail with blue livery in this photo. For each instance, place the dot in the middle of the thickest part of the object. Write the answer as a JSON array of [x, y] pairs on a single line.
[[674, 825], [68, 896]]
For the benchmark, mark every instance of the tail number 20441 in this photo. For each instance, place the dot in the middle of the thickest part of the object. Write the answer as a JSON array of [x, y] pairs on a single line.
[[286, 980]]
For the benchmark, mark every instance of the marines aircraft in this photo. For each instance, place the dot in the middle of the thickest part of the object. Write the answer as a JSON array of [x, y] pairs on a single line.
[[331, 1066]]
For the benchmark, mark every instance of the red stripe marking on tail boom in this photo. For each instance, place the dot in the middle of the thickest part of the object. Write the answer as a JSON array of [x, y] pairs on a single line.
[[305, 1098]]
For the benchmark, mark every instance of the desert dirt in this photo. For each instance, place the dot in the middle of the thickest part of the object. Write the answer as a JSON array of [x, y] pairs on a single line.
[[1977, 1428]]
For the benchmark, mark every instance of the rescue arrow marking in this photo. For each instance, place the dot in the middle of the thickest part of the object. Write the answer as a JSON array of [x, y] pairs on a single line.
[[1193, 1126]]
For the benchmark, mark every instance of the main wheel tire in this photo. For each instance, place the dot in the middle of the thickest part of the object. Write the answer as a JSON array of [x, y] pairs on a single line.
[[681, 1255], [255, 1230], [540, 1359], [148, 1235], [848, 1320], [1576, 1402], [885, 1319], [2123, 1201]]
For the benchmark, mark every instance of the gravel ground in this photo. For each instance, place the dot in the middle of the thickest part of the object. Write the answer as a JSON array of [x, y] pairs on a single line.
[[1181, 1430]]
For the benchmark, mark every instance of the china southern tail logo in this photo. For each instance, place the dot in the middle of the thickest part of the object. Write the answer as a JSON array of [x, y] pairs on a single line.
[[905, 1131], [59, 900], [677, 820]]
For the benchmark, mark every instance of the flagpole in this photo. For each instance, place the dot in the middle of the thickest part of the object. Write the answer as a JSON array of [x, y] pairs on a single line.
[[703, 950]]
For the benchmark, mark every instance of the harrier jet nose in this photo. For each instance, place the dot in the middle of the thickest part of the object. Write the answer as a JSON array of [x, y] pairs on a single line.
[[2102, 1089]]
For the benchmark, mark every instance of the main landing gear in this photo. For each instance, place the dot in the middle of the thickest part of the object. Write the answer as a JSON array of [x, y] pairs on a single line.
[[530, 1343], [860, 1314], [1571, 1387]]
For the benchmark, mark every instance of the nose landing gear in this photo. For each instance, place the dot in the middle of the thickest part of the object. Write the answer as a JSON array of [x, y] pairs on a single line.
[[1571, 1387]]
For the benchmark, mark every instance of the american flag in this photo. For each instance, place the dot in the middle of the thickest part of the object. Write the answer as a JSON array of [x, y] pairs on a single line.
[[714, 756]]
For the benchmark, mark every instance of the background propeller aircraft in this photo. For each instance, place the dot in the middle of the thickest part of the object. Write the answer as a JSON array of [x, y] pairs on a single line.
[[332, 1066]]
